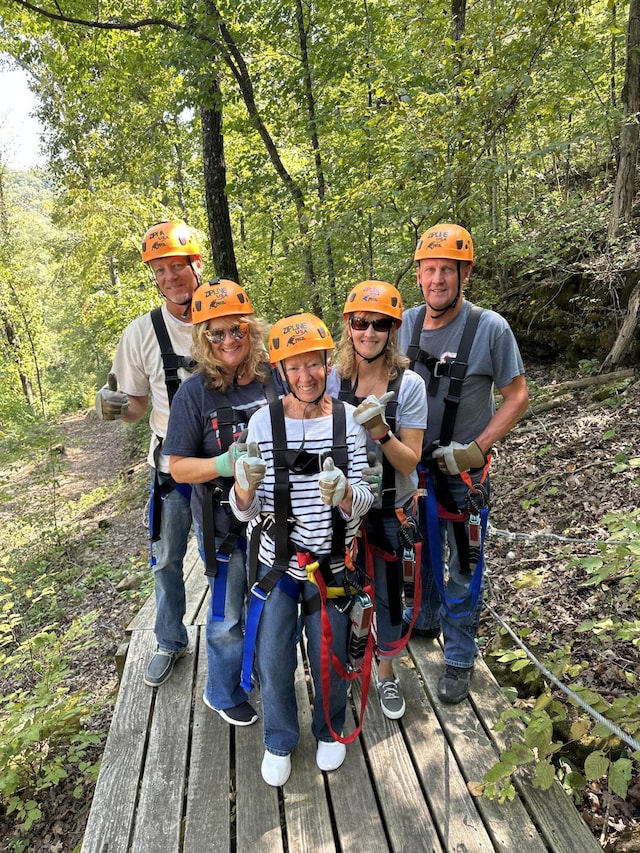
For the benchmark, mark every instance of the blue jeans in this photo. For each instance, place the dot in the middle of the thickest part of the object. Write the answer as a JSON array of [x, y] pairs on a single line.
[[167, 555], [225, 637], [459, 633], [275, 663], [386, 632]]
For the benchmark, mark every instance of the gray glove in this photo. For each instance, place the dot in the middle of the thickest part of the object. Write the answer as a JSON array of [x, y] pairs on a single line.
[[250, 468], [111, 404], [456, 458], [225, 463], [370, 413], [332, 483], [372, 475]]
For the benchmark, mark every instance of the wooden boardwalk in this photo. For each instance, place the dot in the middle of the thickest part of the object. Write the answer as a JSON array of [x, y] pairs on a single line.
[[175, 778]]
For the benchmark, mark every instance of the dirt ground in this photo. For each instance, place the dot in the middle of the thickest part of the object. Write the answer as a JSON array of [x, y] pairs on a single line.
[[553, 480]]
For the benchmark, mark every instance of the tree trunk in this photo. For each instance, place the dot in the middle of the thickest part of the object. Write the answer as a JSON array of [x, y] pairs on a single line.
[[215, 184], [627, 331], [625, 188]]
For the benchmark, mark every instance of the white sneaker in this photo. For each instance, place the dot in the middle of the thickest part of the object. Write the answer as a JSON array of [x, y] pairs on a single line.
[[330, 754], [275, 769]]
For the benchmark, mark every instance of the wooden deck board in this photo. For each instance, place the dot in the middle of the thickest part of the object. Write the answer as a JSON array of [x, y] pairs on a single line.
[[175, 778]]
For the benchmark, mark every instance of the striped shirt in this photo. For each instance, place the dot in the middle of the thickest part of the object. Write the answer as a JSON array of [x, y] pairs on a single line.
[[312, 528]]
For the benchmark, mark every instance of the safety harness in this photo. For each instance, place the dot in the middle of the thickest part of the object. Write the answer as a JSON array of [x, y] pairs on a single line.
[[321, 571], [164, 483], [469, 526], [224, 419], [375, 541]]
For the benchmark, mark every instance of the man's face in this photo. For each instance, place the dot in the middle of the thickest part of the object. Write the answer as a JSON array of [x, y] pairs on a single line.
[[175, 277], [438, 280]]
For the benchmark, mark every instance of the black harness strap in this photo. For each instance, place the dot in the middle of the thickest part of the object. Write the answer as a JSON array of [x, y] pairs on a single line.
[[170, 360], [455, 370]]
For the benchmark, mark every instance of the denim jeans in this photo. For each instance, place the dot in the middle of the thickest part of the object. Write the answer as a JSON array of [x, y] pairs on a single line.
[[225, 637], [167, 555], [459, 633], [386, 632], [275, 664]]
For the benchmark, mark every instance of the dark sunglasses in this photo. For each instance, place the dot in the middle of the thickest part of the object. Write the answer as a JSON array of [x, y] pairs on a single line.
[[237, 332], [361, 324]]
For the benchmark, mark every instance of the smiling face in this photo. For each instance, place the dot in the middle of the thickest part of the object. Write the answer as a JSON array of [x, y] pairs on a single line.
[[176, 278], [230, 340], [438, 281], [369, 332], [306, 375]]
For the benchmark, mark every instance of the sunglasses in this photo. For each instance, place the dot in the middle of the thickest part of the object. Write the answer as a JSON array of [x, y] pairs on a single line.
[[237, 332], [361, 324]]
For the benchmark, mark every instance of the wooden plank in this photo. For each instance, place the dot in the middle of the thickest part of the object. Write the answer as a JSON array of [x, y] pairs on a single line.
[[111, 818], [305, 803], [556, 815], [257, 804], [207, 824], [508, 824], [159, 817], [400, 796], [453, 809]]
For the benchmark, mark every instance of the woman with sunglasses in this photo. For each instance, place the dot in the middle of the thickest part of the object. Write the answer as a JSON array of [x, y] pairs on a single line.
[[371, 374], [208, 415]]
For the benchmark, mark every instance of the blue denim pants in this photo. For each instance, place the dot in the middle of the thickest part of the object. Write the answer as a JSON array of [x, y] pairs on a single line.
[[225, 636], [167, 555], [459, 633], [386, 632], [275, 664]]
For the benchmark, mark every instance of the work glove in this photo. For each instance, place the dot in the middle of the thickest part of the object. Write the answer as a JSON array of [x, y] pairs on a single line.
[[225, 463], [456, 458], [370, 413], [250, 468], [111, 404], [332, 483], [372, 474]]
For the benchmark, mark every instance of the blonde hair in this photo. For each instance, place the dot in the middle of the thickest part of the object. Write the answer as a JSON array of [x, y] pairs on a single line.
[[345, 356], [256, 365]]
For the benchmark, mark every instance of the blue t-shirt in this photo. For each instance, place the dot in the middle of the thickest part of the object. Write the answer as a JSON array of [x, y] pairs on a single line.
[[193, 430]]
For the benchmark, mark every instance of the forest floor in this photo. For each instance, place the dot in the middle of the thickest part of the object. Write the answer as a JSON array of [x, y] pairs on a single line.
[[554, 479]]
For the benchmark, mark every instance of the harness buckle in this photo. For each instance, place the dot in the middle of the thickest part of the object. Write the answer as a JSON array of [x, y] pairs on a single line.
[[260, 593]]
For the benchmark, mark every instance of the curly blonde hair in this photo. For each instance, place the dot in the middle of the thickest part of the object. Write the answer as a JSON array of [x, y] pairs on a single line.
[[256, 365], [344, 357]]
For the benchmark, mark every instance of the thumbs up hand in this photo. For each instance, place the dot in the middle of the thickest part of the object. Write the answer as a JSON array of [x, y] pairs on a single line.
[[370, 413], [250, 469], [111, 404], [332, 483]]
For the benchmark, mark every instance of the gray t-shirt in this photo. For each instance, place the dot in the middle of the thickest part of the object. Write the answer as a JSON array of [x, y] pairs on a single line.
[[494, 359]]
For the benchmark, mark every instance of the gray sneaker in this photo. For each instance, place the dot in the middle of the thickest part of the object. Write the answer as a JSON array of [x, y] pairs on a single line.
[[453, 684], [161, 666], [391, 700]]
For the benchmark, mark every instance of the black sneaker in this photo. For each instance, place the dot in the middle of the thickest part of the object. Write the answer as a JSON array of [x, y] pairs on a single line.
[[453, 684], [161, 666], [240, 715], [428, 633]]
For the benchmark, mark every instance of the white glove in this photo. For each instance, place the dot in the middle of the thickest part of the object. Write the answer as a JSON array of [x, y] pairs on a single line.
[[372, 475], [111, 404], [370, 413], [250, 469], [332, 483], [456, 458]]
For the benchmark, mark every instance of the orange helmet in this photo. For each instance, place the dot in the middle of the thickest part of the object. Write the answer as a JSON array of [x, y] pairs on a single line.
[[297, 334], [445, 240], [219, 298], [372, 295], [166, 239]]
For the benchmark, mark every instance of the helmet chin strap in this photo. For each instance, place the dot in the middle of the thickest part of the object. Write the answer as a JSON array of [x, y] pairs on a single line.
[[436, 314]]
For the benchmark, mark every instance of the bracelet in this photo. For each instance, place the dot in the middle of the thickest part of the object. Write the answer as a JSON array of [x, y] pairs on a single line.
[[384, 438]]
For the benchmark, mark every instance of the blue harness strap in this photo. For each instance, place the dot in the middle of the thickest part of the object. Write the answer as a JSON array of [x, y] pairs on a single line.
[[435, 553]]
